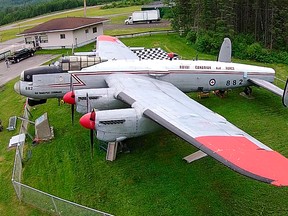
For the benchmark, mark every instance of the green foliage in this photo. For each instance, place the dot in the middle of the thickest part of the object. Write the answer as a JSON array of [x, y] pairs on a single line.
[[191, 36], [266, 20], [20, 12], [208, 42], [125, 3]]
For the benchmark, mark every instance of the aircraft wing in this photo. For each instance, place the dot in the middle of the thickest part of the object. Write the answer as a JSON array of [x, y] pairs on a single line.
[[199, 126], [111, 48]]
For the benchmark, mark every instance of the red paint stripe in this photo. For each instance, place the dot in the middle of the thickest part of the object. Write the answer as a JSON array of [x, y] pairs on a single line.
[[106, 38], [169, 72], [249, 157]]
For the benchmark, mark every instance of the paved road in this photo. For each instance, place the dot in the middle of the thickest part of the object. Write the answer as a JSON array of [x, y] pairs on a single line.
[[14, 70]]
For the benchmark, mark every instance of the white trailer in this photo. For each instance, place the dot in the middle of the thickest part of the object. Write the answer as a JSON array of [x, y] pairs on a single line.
[[143, 16]]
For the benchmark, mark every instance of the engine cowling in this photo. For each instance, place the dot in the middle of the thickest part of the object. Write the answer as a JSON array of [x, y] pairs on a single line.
[[88, 99], [119, 124]]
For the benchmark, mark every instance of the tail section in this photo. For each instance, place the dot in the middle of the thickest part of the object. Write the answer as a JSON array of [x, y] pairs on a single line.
[[225, 51]]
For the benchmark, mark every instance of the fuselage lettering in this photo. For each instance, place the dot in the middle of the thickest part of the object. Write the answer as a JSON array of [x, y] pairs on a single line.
[[203, 67]]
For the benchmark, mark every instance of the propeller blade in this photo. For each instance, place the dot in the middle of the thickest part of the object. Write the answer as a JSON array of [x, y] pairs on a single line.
[[92, 142], [71, 83], [87, 102], [72, 113]]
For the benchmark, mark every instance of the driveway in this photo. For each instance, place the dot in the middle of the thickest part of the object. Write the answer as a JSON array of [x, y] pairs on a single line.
[[14, 70]]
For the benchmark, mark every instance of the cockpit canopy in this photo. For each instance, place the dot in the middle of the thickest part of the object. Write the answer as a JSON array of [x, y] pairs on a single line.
[[73, 63], [65, 64]]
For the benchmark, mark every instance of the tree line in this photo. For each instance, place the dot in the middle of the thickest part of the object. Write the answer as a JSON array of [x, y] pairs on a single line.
[[22, 11], [255, 27]]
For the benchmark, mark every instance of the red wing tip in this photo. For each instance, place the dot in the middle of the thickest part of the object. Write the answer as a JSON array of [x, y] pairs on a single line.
[[106, 38], [279, 184]]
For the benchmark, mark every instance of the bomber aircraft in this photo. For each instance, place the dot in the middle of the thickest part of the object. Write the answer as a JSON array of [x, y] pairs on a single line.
[[141, 96]]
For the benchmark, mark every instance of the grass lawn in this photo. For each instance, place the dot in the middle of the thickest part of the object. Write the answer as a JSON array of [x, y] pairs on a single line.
[[152, 179]]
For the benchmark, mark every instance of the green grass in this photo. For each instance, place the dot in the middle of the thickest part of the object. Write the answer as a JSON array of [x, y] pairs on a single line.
[[11, 104], [153, 179]]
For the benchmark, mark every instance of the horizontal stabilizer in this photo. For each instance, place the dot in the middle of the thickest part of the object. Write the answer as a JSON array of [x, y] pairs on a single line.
[[267, 85]]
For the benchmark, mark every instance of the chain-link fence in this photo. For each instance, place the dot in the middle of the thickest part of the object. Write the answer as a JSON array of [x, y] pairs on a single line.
[[39, 199]]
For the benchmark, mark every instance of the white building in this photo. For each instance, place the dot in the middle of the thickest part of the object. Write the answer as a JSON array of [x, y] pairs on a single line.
[[64, 32]]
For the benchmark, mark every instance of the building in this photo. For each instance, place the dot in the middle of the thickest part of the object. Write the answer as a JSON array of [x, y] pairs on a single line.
[[65, 32]]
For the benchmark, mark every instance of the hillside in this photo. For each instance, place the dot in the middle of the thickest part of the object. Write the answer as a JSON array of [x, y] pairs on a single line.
[[13, 3]]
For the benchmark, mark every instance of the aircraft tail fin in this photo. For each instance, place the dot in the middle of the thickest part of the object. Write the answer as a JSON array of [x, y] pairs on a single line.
[[225, 51], [285, 95]]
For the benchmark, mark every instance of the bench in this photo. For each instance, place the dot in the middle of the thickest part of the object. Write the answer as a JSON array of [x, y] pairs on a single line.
[[12, 123]]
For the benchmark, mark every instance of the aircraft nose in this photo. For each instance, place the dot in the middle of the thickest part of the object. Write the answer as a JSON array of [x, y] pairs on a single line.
[[69, 97], [87, 122], [17, 87]]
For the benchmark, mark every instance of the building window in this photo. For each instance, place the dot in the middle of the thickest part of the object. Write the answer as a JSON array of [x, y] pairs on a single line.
[[62, 36], [28, 40], [44, 39], [87, 31], [94, 29]]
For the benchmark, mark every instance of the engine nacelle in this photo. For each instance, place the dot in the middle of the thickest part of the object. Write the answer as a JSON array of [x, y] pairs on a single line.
[[118, 124], [100, 99]]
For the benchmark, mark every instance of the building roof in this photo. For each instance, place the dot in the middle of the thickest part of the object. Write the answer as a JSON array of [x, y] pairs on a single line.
[[64, 24]]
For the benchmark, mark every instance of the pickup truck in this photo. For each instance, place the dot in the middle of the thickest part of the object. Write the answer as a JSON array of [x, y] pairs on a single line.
[[20, 54]]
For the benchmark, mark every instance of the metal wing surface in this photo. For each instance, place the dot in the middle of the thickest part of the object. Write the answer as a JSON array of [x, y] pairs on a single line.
[[112, 48], [199, 126]]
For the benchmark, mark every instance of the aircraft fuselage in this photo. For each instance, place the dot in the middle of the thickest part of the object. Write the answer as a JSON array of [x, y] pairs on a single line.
[[186, 75]]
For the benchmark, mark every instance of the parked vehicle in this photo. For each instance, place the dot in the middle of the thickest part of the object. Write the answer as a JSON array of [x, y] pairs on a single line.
[[20, 55], [143, 16]]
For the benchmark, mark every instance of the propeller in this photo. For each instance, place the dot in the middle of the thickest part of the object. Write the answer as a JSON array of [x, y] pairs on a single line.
[[88, 121], [69, 98], [92, 118]]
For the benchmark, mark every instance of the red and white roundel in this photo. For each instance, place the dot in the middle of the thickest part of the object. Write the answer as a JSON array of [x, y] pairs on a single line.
[[212, 82]]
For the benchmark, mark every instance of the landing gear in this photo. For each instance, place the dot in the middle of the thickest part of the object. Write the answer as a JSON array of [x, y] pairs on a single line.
[[248, 91]]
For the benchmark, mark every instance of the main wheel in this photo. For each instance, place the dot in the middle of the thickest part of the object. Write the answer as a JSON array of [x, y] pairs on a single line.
[[17, 60]]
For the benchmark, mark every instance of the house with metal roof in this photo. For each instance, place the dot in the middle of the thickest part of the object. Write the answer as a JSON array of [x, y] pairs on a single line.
[[65, 32]]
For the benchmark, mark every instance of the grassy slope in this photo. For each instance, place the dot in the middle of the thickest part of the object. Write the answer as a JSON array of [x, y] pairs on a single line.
[[11, 104], [152, 179]]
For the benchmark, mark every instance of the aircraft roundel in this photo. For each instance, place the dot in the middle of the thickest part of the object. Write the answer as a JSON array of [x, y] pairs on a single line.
[[212, 82]]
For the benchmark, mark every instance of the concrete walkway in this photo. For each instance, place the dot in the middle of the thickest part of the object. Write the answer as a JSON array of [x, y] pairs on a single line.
[[14, 70]]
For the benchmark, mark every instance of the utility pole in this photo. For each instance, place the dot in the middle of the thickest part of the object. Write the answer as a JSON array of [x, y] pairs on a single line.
[[84, 8]]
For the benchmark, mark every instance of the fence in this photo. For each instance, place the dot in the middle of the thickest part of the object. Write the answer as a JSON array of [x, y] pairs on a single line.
[[39, 199], [131, 35]]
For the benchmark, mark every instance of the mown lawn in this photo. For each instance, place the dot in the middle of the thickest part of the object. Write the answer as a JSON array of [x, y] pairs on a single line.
[[152, 179]]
